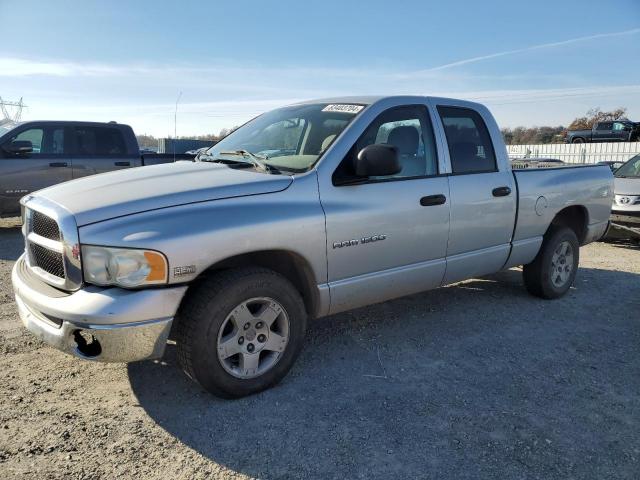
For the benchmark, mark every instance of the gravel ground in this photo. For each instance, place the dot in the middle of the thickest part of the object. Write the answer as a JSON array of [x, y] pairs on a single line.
[[476, 380]]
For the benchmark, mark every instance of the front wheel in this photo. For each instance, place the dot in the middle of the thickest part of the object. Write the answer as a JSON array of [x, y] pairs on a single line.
[[554, 269], [240, 331]]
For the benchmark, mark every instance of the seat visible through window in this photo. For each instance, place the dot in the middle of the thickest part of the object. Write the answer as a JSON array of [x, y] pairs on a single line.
[[409, 129], [470, 146]]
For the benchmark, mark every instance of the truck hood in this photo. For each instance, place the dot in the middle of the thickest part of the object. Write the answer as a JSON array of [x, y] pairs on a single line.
[[627, 186], [124, 192]]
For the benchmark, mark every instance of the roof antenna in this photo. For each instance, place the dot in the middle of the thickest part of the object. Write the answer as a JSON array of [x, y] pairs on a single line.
[[175, 126]]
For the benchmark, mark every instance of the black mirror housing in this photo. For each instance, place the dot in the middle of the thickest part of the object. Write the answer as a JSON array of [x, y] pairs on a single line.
[[20, 147], [378, 160]]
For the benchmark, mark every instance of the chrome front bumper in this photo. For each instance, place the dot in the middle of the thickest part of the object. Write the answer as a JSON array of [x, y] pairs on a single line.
[[93, 323]]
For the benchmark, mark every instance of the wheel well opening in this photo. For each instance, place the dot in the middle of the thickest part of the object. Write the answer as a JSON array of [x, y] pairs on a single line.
[[288, 264], [576, 218]]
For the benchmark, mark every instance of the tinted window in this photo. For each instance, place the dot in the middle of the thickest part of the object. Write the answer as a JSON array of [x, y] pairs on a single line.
[[49, 140], [618, 126], [470, 146], [409, 129], [99, 141], [604, 126]]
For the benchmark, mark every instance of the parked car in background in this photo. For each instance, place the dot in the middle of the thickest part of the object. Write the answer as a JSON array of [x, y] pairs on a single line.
[[37, 154], [626, 206], [612, 164], [614, 131], [359, 200]]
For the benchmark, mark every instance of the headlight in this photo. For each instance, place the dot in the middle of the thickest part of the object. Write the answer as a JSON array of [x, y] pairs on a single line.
[[124, 267]]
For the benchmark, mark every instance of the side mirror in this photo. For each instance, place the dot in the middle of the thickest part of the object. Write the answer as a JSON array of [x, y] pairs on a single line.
[[19, 147], [378, 160]]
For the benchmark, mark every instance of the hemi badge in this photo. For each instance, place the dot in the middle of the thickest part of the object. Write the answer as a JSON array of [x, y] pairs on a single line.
[[184, 270]]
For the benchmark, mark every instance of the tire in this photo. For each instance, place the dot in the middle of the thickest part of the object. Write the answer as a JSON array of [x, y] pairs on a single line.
[[577, 140], [213, 319], [541, 277]]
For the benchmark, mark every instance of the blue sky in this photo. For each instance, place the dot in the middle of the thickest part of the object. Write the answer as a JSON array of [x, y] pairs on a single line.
[[532, 63]]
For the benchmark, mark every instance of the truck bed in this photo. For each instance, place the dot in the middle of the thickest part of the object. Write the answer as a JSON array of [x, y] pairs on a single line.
[[543, 192]]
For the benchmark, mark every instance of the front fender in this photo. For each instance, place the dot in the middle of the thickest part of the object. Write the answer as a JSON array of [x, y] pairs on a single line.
[[198, 235]]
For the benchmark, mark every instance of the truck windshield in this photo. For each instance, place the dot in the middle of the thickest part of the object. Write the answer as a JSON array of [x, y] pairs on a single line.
[[290, 138], [631, 169], [4, 129]]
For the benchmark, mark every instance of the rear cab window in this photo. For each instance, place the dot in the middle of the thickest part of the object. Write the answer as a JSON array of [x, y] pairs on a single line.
[[470, 146], [90, 140]]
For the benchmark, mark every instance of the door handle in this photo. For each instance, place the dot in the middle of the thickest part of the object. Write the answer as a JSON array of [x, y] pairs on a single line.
[[58, 164], [431, 200], [501, 191], [122, 164]]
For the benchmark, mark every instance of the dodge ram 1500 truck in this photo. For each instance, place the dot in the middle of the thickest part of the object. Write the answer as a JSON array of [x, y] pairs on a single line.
[[305, 211], [37, 154]]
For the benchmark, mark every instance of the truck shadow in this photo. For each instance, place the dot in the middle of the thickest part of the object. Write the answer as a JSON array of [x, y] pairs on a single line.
[[11, 243], [441, 382]]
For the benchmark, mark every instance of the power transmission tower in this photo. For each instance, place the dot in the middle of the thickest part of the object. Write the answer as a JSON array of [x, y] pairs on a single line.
[[17, 111]]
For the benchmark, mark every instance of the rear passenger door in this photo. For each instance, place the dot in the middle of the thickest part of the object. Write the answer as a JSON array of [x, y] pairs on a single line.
[[483, 197], [46, 165], [99, 149], [603, 132]]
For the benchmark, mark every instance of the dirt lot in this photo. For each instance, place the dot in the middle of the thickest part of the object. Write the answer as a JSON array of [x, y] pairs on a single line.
[[476, 380]]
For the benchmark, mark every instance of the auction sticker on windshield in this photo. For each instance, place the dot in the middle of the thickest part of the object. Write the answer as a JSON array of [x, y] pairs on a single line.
[[341, 107]]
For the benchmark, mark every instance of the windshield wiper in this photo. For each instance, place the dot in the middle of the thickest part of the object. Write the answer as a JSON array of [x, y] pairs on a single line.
[[257, 160]]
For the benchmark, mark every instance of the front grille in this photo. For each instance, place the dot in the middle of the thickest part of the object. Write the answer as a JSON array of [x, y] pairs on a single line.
[[44, 226], [52, 245], [48, 260]]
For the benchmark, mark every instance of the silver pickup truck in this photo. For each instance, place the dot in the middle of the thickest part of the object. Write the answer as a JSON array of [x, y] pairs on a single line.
[[305, 211]]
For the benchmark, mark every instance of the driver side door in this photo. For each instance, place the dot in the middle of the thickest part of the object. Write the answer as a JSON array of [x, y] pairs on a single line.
[[21, 174], [387, 236]]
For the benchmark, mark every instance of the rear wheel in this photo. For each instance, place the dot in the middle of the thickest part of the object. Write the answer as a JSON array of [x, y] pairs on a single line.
[[577, 140], [554, 269], [240, 331]]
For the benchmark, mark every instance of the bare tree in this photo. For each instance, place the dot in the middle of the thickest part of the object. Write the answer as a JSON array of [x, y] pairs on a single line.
[[596, 115]]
